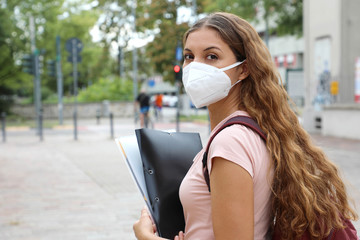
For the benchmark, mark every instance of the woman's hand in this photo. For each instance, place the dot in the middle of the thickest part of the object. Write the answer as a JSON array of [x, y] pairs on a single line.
[[181, 236], [144, 227]]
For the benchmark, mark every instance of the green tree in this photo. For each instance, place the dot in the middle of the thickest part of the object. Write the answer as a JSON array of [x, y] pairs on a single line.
[[156, 19], [161, 18], [244, 8], [52, 18], [57, 18], [287, 14], [116, 25], [290, 20], [78, 24], [12, 80]]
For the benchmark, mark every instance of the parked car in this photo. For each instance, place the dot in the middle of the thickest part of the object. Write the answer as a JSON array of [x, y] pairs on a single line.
[[170, 101]]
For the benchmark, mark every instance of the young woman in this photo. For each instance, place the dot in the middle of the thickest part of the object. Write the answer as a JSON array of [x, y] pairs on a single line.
[[287, 184]]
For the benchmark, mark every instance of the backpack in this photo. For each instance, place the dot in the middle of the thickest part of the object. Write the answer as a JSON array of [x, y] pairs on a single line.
[[347, 233]]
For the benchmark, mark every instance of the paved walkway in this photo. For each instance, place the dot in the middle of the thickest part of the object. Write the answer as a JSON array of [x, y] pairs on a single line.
[[66, 189]]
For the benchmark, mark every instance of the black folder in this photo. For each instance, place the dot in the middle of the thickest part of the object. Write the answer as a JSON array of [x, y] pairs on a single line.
[[166, 158]]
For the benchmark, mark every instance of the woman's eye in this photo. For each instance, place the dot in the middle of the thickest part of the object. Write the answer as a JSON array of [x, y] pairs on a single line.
[[212, 57], [188, 56]]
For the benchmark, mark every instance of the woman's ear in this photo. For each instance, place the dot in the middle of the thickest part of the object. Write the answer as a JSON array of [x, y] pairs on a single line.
[[244, 71]]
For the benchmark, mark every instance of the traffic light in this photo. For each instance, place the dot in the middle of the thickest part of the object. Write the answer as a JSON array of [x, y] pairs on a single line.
[[28, 64], [51, 68], [178, 72]]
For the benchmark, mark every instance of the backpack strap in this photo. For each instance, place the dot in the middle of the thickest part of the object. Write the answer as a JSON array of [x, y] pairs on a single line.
[[243, 120]]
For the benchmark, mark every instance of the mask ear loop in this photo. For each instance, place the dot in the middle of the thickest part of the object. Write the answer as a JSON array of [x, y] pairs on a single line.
[[236, 83], [232, 66]]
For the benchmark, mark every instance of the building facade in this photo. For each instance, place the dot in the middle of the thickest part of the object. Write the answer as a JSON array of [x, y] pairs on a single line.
[[332, 47]]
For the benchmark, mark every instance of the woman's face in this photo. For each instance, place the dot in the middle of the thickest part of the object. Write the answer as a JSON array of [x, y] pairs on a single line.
[[206, 46]]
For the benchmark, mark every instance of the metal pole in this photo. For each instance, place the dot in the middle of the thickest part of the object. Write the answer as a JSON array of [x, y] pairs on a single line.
[[122, 66], [3, 4], [135, 67], [194, 10], [178, 84], [266, 28], [35, 96], [121, 63], [98, 116], [75, 125], [37, 81], [41, 124], [119, 58], [178, 57], [3, 124], [74, 56], [59, 80], [38, 87], [111, 125]]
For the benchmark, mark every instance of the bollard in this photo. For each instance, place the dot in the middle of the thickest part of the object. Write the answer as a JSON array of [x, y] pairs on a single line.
[[41, 124], [75, 126], [111, 125], [3, 122], [98, 116], [318, 122]]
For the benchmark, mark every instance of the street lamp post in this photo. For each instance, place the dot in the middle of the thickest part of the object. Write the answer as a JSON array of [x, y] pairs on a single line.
[[135, 67], [134, 54]]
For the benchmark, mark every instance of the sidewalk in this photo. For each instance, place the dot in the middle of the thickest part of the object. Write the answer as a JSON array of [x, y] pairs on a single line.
[[66, 189]]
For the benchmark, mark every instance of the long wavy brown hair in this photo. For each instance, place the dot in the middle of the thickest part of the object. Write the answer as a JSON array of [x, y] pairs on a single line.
[[308, 193]]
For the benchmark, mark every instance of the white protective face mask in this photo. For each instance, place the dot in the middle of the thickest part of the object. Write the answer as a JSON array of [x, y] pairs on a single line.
[[206, 84]]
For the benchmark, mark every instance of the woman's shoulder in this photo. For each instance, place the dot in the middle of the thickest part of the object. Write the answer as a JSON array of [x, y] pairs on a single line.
[[238, 138], [237, 133]]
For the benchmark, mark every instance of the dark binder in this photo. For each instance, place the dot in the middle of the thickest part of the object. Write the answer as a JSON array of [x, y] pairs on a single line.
[[166, 157]]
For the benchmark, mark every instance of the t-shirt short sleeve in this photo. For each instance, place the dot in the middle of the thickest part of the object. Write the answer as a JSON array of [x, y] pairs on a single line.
[[237, 144], [244, 147]]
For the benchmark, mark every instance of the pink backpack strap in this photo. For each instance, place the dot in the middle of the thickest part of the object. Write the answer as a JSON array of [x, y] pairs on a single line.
[[243, 120]]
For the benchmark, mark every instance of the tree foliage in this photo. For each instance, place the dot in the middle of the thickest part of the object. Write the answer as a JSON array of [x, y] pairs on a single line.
[[12, 80], [243, 8], [162, 15], [287, 14], [290, 19], [51, 18]]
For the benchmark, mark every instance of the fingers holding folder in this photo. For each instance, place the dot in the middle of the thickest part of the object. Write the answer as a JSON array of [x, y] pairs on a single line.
[[145, 229]]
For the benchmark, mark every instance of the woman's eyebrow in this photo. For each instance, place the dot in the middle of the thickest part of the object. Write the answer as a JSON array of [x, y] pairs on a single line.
[[206, 49], [212, 47]]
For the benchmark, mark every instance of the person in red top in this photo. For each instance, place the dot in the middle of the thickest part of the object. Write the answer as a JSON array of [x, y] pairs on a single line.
[[158, 105]]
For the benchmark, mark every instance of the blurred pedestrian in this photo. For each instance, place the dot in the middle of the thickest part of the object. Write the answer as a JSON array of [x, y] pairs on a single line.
[[158, 105], [143, 103]]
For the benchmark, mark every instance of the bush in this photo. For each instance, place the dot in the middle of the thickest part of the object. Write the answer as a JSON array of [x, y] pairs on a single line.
[[105, 89]]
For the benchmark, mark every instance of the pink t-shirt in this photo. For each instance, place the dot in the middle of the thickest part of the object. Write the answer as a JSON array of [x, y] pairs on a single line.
[[244, 147]]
